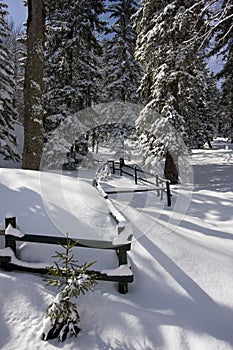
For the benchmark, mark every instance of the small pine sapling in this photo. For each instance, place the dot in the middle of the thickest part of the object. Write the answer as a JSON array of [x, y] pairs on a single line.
[[62, 316]]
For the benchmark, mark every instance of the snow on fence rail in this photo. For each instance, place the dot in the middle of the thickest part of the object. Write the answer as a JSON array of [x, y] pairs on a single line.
[[9, 261], [159, 184], [124, 228]]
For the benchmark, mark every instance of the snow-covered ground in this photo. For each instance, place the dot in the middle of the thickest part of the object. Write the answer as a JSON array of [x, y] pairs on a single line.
[[182, 259]]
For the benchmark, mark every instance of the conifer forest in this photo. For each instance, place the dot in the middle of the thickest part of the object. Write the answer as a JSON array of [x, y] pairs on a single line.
[[72, 55]]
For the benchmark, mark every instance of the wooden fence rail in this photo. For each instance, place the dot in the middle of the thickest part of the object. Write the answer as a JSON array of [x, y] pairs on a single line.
[[120, 249], [160, 185]]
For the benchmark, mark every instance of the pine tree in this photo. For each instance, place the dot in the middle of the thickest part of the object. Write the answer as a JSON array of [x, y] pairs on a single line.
[[213, 96], [174, 84], [57, 150], [8, 115], [224, 48], [17, 48], [72, 51], [62, 315], [115, 119], [226, 107], [219, 28], [121, 72]]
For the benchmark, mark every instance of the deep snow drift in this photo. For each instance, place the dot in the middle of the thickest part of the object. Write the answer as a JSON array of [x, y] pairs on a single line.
[[182, 260]]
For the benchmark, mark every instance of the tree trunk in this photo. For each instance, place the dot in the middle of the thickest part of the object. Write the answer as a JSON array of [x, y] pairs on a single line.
[[231, 132], [171, 168], [33, 85]]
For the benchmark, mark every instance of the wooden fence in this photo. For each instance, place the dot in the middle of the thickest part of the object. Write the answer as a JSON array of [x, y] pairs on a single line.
[[121, 274], [159, 184]]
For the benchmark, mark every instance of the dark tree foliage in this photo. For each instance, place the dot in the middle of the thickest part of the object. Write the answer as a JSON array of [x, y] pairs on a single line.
[[8, 114], [121, 72], [72, 51], [223, 35], [174, 84]]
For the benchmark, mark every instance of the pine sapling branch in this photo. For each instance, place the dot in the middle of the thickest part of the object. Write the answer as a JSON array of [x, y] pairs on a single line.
[[62, 315]]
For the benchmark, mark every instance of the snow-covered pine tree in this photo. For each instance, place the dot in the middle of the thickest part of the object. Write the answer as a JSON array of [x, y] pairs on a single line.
[[224, 48], [174, 83], [114, 119], [17, 47], [57, 150], [72, 51], [62, 317], [213, 96], [121, 72], [8, 115], [226, 106]]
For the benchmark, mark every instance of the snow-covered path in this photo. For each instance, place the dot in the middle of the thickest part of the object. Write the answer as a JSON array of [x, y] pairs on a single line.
[[190, 253]]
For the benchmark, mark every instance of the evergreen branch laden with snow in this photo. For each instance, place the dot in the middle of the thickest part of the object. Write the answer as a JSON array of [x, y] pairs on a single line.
[[62, 316]]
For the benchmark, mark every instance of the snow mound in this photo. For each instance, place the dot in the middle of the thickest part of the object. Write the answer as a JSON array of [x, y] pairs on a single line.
[[53, 204]]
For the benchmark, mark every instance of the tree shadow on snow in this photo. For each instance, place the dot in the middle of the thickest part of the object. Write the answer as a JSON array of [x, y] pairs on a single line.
[[204, 230], [213, 177], [217, 208], [27, 206], [197, 311]]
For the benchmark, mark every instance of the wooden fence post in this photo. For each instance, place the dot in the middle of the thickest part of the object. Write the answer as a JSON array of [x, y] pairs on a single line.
[[122, 163], [10, 220], [2, 230], [111, 164], [135, 175], [168, 194], [157, 184], [122, 256], [9, 240]]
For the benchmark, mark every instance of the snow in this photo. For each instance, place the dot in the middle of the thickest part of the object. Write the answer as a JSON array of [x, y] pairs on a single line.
[[13, 231], [9, 215], [181, 259], [112, 209], [125, 235], [123, 270], [124, 228], [8, 252], [40, 201]]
